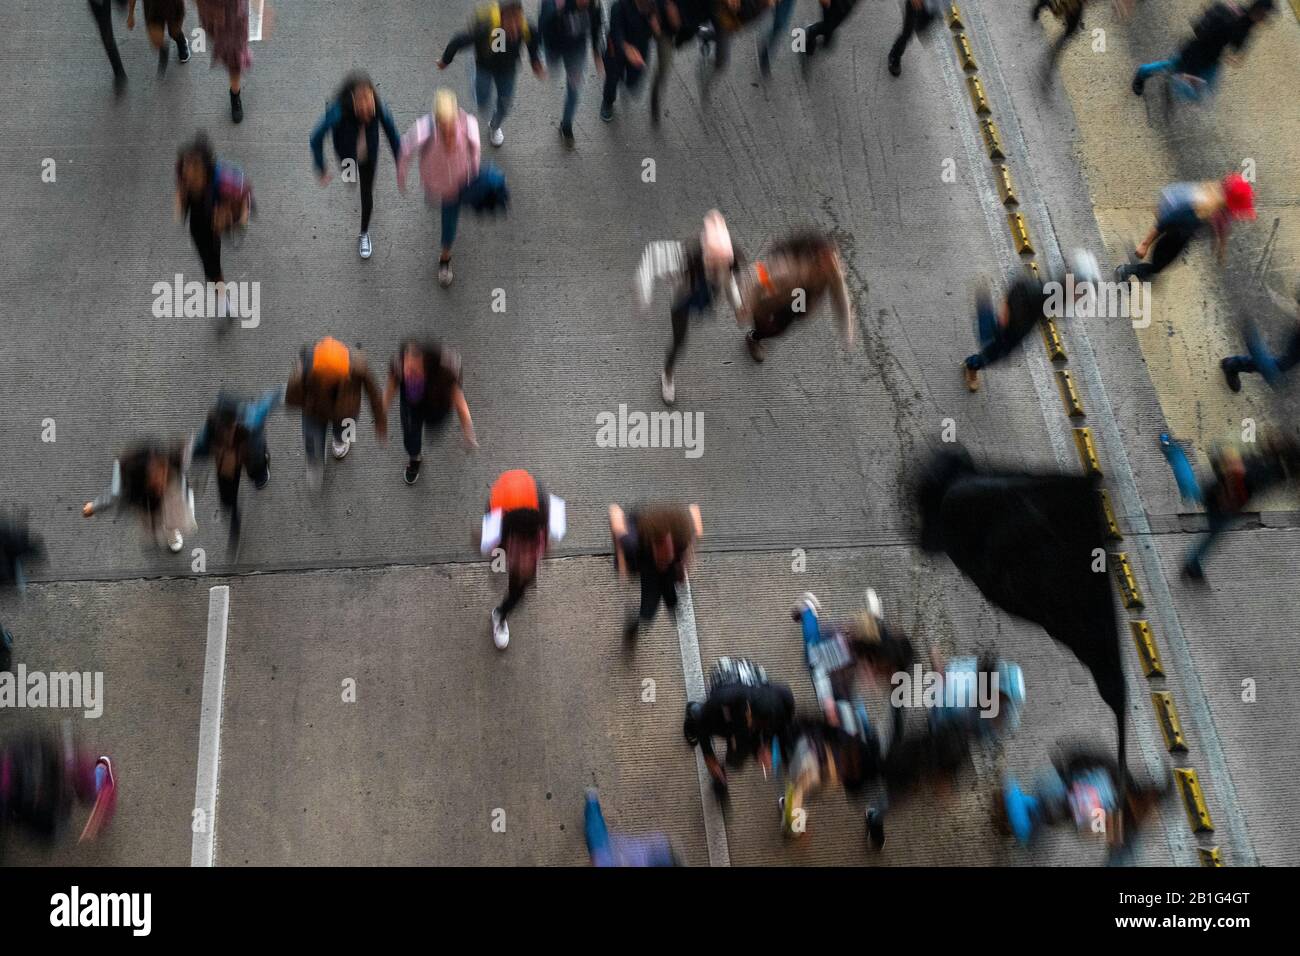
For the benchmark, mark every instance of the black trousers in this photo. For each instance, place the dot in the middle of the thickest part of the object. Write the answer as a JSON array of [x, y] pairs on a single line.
[[656, 588], [824, 29], [1073, 20], [102, 9], [256, 466], [1167, 247], [367, 171], [914, 21], [515, 591], [208, 244]]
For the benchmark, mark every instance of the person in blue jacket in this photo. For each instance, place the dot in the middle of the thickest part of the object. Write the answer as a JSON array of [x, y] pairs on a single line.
[[353, 119], [234, 437]]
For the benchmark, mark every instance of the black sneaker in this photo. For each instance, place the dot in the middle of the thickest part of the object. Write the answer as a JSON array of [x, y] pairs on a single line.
[[412, 473], [1231, 374], [1193, 570], [259, 485], [764, 62], [182, 49], [1139, 84], [566, 134], [236, 107], [756, 349], [607, 112], [895, 67]]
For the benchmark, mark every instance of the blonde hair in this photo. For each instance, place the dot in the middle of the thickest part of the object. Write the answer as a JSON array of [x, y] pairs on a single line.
[[444, 106]]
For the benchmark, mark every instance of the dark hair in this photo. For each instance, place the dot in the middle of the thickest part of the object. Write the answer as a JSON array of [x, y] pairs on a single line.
[[351, 82], [657, 521], [200, 147], [1262, 6], [135, 474], [1026, 299]]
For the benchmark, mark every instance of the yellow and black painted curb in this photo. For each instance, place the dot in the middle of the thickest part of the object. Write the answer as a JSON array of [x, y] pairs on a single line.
[[1148, 650]]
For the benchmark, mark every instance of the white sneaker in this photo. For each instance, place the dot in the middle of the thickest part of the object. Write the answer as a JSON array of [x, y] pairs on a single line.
[[667, 386], [806, 600], [364, 245], [497, 136], [500, 631], [340, 450], [176, 543]]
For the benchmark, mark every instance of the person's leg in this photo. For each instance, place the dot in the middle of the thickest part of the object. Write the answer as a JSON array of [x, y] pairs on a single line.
[[632, 76], [1148, 70], [103, 13], [1219, 523], [505, 86], [615, 68], [782, 11], [1181, 466], [208, 245], [664, 51], [516, 588], [1040, 6], [574, 63], [1167, 247], [904, 37], [258, 465], [482, 88], [811, 628], [367, 172], [450, 221], [832, 20], [680, 319], [313, 440], [228, 491], [1072, 22], [596, 832], [986, 324]]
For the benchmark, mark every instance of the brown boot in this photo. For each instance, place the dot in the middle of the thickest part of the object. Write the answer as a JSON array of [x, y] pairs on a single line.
[[972, 377], [757, 351]]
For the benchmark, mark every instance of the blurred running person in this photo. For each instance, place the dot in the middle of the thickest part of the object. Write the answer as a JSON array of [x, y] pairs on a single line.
[[216, 198], [1183, 211], [326, 383], [499, 33], [568, 28], [749, 712], [697, 269], [918, 15], [1239, 475], [1196, 66], [353, 121], [789, 283], [632, 25], [426, 377], [1001, 331], [521, 519], [657, 544], [151, 480], [163, 16], [226, 24], [42, 780], [447, 144], [619, 849], [234, 437]]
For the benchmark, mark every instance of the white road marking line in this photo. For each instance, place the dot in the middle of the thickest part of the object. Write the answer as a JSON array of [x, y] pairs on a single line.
[[203, 847], [715, 827]]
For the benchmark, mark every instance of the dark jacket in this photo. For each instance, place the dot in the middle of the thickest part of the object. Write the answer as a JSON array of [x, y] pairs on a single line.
[[344, 127], [479, 36], [334, 402], [565, 27], [629, 25]]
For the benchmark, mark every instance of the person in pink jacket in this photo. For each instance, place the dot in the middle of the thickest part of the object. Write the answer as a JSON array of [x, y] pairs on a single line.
[[448, 146]]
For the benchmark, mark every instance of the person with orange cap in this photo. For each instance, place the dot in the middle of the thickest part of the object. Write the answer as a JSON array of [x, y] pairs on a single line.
[[1183, 211], [698, 270], [521, 520], [326, 383]]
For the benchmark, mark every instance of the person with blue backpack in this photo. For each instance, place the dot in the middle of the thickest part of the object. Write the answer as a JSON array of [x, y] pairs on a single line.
[[353, 120], [568, 28]]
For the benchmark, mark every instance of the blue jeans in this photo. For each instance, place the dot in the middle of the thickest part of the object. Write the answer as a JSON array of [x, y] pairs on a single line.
[[1185, 89], [1184, 475], [574, 62], [607, 849], [313, 437], [992, 344], [504, 82], [781, 14], [450, 219], [1262, 360]]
